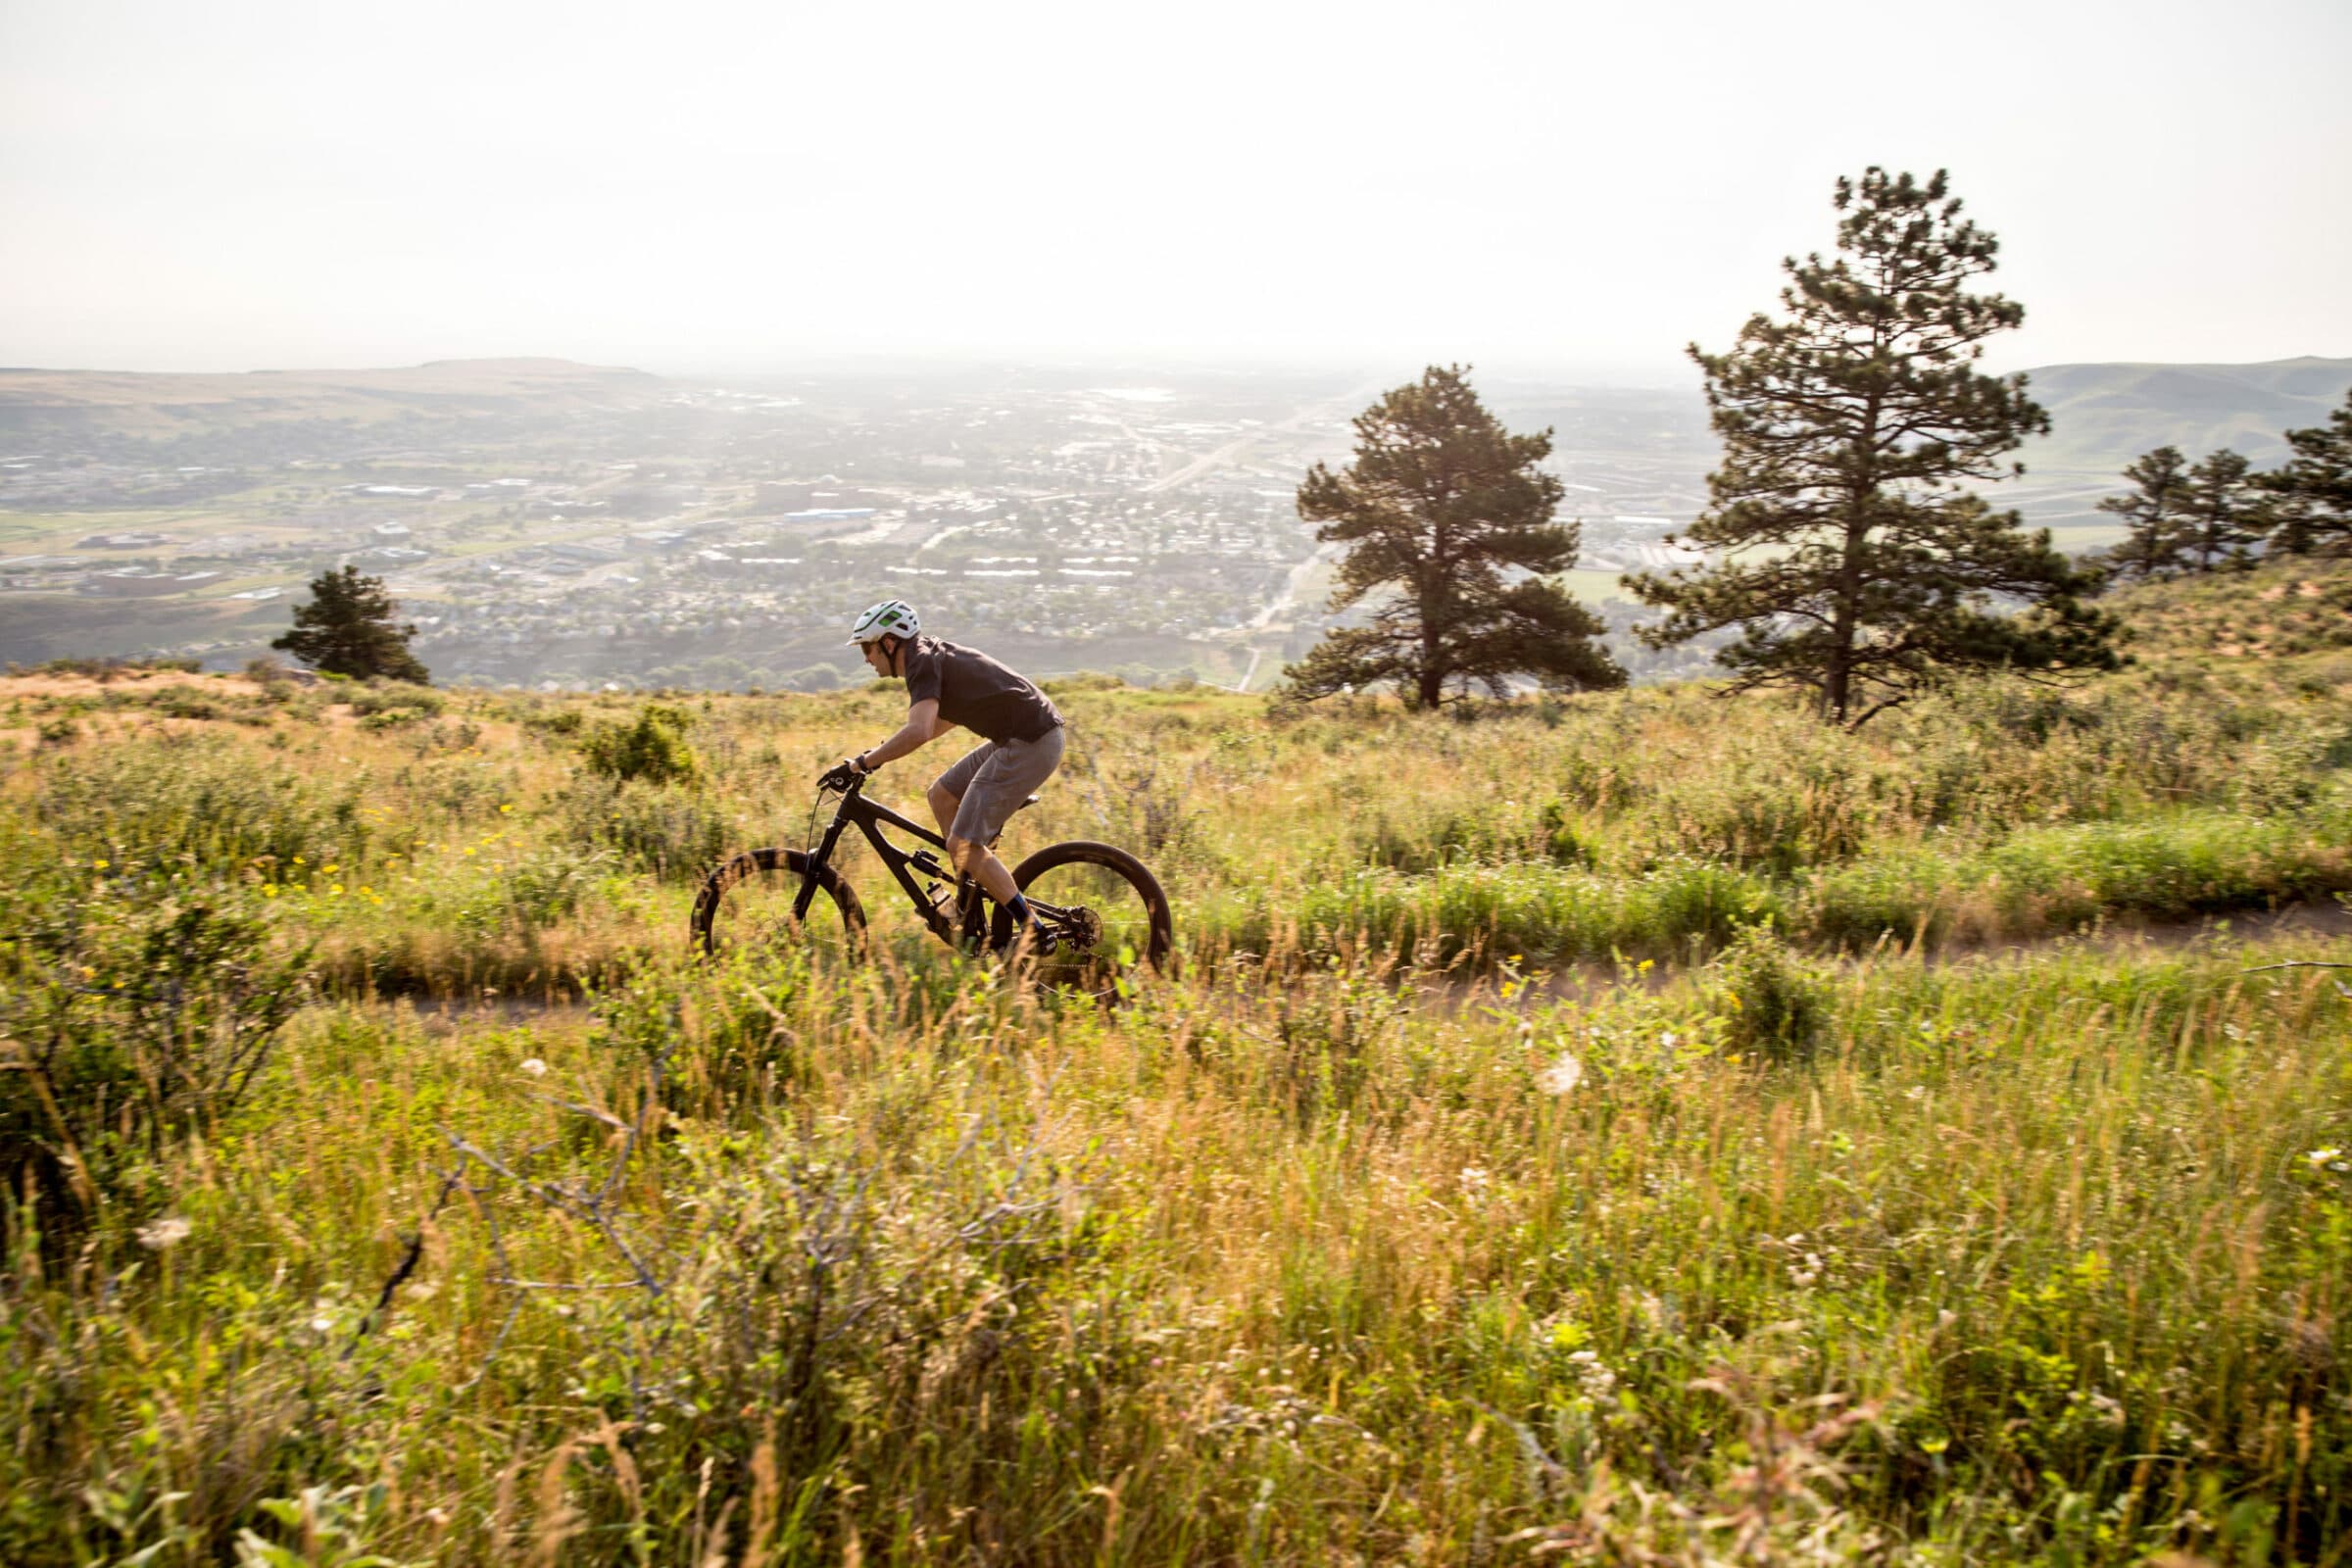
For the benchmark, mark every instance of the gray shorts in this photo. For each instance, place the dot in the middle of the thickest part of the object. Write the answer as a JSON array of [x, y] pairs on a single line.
[[993, 779]]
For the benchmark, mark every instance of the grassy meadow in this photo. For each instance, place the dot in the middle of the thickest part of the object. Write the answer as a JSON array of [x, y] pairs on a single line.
[[1643, 1128]]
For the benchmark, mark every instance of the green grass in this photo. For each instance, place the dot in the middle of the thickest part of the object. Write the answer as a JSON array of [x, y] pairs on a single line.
[[1779, 1227]]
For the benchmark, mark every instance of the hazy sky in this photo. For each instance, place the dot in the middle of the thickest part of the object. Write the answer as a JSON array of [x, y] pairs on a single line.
[[729, 186]]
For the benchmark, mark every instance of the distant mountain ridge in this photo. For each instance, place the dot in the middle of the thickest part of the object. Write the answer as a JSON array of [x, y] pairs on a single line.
[[163, 403], [2104, 416]]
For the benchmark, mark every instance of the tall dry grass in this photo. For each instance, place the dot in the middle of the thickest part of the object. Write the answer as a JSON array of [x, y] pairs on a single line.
[[1574, 1133]]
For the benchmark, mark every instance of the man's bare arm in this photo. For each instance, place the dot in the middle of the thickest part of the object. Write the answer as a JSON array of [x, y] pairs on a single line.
[[923, 724]]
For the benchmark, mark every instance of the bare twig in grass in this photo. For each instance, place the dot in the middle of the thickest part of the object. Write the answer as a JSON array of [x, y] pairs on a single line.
[[408, 1263]]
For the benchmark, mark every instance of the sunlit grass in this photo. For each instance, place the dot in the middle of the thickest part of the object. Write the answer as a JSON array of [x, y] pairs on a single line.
[[1577, 1128]]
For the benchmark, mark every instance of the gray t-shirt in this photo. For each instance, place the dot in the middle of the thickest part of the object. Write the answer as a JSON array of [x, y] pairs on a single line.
[[976, 691]]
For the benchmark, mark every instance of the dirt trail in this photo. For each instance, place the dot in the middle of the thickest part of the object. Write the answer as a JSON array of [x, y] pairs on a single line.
[[2252, 927], [1458, 991]]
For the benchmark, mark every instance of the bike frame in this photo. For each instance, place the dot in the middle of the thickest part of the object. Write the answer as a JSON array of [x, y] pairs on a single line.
[[972, 904]]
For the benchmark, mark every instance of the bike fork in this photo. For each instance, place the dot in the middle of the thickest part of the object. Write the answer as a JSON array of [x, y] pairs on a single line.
[[817, 862]]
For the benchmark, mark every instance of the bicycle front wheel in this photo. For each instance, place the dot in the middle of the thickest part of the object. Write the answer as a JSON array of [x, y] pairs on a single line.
[[745, 904], [1109, 920]]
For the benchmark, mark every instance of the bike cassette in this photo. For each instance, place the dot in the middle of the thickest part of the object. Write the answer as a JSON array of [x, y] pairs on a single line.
[[1080, 929]]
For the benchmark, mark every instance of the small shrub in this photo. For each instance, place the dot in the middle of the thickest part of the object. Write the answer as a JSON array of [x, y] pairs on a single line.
[[1775, 1001], [439, 736], [673, 834], [178, 701], [137, 1009], [651, 748], [410, 702]]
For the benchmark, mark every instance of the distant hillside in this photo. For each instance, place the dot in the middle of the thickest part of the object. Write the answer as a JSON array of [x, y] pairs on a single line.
[[2275, 611], [37, 403], [2103, 416]]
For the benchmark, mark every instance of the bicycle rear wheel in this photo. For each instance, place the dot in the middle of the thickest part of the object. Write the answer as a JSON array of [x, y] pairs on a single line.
[[1111, 922], [745, 904]]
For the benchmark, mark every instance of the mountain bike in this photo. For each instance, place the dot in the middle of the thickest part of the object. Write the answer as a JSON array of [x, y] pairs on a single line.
[[1103, 920]]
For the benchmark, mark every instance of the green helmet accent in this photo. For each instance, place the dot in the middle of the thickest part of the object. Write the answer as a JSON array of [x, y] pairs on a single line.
[[891, 618]]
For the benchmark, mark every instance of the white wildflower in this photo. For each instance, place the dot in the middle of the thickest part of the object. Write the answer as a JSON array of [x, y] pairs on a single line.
[[1591, 1374], [322, 1324], [1563, 1075], [534, 1066], [1476, 1180], [164, 1234], [2328, 1158]]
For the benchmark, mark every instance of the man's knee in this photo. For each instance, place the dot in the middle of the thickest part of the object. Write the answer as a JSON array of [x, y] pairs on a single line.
[[959, 851]]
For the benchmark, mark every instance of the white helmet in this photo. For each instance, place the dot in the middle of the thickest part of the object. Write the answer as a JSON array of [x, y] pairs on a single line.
[[891, 618]]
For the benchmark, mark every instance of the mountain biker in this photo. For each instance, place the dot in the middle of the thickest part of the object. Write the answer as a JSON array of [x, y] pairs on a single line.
[[1019, 728]]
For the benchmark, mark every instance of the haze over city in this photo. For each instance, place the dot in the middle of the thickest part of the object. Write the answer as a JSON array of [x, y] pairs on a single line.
[[741, 188]]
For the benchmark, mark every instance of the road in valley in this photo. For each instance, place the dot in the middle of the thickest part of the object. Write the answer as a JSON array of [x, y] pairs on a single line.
[[1287, 600], [1232, 450]]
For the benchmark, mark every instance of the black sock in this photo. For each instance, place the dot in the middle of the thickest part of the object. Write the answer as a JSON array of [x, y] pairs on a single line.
[[1018, 907]]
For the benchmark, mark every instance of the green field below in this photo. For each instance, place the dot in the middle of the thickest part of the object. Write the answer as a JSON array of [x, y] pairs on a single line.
[[58, 530]]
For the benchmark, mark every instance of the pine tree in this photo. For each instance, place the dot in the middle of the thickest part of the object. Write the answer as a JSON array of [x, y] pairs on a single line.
[[2313, 491], [1852, 561], [2219, 521], [348, 629], [2154, 514], [1451, 511]]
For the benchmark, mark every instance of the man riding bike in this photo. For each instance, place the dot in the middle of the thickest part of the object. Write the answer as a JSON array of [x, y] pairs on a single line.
[[1021, 743]]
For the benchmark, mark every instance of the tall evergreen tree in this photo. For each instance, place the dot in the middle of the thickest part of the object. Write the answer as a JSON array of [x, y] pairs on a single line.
[[2219, 521], [1851, 561], [2313, 491], [1451, 512], [2154, 514], [348, 628]]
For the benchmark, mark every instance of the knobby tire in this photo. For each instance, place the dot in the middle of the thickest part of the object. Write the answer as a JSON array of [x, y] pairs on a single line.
[[1159, 947], [780, 873]]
